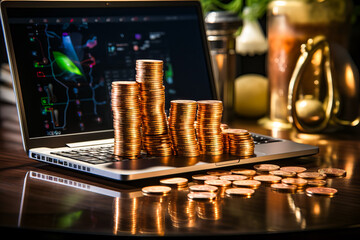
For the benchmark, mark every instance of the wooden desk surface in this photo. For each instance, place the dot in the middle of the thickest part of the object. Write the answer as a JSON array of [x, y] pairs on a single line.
[[43, 200]]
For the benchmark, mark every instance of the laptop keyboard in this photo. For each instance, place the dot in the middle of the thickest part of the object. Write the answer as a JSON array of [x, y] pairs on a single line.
[[258, 139], [105, 154], [94, 155]]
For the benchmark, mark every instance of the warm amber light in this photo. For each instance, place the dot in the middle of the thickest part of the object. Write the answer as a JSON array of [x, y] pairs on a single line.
[[316, 209], [350, 81]]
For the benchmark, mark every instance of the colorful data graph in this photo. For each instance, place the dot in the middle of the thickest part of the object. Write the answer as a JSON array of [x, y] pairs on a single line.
[[68, 90], [74, 65]]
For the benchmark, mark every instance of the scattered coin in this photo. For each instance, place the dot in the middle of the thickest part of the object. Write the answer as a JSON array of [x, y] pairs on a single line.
[[333, 172], [218, 183], [266, 167], [178, 181], [312, 175], [268, 178], [233, 177], [282, 187], [295, 181], [240, 191], [204, 177], [218, 172], [293, 169], [316, 183], [246, 172], [156, 190], [247, 183], [321, 191], [203, 188], [282, 173], [202, 195]]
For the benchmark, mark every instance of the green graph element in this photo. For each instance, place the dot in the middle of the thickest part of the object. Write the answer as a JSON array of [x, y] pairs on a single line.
[[169, 72], [45, 101], [65, 63]]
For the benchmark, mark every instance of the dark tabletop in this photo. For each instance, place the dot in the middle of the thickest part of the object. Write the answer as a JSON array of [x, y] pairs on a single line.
[[53, 203]]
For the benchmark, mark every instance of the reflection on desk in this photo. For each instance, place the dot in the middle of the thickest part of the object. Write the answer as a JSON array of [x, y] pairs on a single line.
[[69, 205]]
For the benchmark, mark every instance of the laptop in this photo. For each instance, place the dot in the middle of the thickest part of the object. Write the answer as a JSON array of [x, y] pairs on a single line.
[[64, 55]]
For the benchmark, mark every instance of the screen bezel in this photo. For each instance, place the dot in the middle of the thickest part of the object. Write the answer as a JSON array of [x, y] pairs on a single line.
[[62, 140]]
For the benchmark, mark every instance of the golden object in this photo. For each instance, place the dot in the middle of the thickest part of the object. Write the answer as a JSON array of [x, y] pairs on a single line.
[[175, 182], [246, 192], [182, 128], [126, 118], [321, 191], [157, 189], [156, 139], [282, 187], [290, 24], [310, 113], [299, 182], [267, 178], [209, 116], [240, 143]]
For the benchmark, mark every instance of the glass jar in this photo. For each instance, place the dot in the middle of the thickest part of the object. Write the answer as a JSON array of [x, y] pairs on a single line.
[[290, 23]]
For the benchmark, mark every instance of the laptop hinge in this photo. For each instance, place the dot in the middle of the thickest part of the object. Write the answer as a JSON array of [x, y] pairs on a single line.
[[90, 143]]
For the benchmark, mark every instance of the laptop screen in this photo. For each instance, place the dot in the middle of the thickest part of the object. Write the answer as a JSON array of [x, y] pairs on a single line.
[[67, 59]]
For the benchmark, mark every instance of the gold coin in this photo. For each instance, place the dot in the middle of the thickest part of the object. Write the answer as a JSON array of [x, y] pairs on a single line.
[[218, 183], [312, 175], [266, 167], [202, 195], [218, 172], [284, 187], [178, 181], [208, 130], [247, 183], [240, 191], [204, 177], [333, 172], [203, 188], [182, 128], [238, 142], [211, 102], [126, 119], [281, 173], [156, 136], [295, 181], [162, 190], [246, 172], [321, 191], [233, 177], [293, 169], [267, 178], [224, 126], [317, 183]]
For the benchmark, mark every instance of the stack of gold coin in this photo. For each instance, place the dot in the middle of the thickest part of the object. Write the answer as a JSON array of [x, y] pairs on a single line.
[[240, 142], [126, 118], [182, 128], [156, 138], [225, 137], [209, 135]]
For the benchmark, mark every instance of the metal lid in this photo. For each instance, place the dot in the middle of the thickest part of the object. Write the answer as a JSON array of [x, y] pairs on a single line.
[[222, 22]]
